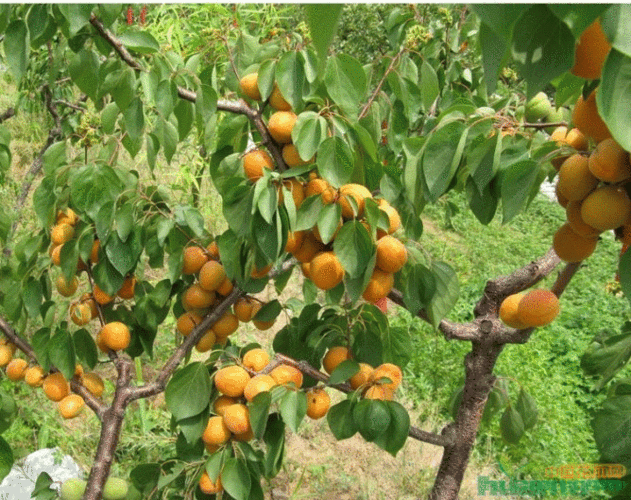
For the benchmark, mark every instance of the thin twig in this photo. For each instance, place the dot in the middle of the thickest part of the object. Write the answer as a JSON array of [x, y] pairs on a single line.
[[372, 98], [115, 43], [543, 125]]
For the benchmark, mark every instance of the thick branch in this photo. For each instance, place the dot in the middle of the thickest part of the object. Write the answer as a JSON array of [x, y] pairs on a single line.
[[7, 114], [112, 424], [13, 337]]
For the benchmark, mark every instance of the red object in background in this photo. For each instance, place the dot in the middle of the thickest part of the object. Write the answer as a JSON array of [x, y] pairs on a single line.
[[130, 16], [143, 15], [382, 304]]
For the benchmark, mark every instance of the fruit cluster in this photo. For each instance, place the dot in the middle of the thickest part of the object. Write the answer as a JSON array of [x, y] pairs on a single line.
[[592, 185], [210, 287], [115, 335], [240, 383], [528, 310], [319, 262], [375, 383], [55, 386]]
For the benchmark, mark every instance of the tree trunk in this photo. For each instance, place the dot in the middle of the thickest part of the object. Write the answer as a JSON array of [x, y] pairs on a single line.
[[479, 380]]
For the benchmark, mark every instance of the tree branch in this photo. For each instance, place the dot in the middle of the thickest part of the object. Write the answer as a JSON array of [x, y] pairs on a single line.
[[374, 95], [115, 43]]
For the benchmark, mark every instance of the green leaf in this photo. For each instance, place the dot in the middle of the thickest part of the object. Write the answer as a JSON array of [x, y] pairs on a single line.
[[345, 370], [607, 357], [83, 67], [511, 425], [329, 222], [145, 476], [235, 479], [615, 22], [419, 288], [308, 213], [346, 83], [429, 85], [443, 150], [517, 181], [308, 133], [139, 41], [134, 119], [578, 16], [341, 421], [372, 418], [447, 291], [32, 295], [259, 411], [85, 347], [188, 392], [542, 47], [354, 248], [125, 89], [395, 436], [5, 16], [61, 353], [494, 51], [612, 424], [613, 96], [397, 345], [168, 136], [16, 48], [124, 255], [6, 458], [335, 161], [77, 15], [500, 17], [290, 76], [275, 443], [322, 20], [527, 408], [54, 157], [293, 408]]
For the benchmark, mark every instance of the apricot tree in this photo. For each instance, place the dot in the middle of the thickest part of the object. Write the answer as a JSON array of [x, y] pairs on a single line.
[[323, 167]]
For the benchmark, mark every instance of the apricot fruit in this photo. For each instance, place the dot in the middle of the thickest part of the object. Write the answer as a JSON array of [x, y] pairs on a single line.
[[93, 383], [128, 289], [16, 368], [538, 308], [115, 335], [286, 374], [61, 233], [358, 193], [100, 296], [390, 371], [570, 247], [575, 179], [56, 387], [318, 403], [292, 158], [196, 297], [34, 376], [508, 311], [280, 126], [586, 118], [326, 271], [277, 101], [67, 288], [607, 207], [309, 248], [391, 254], [193, 259], [249, 86], [231, 381], [591, 52], [208, 486], [237, 418], [72, 489], [254, 162], [216, 431], [609, 162], [362, 377], [578, 225], [208, 340], [71, 406], [257, 384], [333, 357], [379, 286], [320, 187], [212, 275], [226, 325], [256, 359]]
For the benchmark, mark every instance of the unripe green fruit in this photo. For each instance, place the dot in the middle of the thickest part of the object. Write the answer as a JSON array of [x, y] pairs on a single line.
[[538, 107], [72, 489], [557, 115], [115, 489]]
